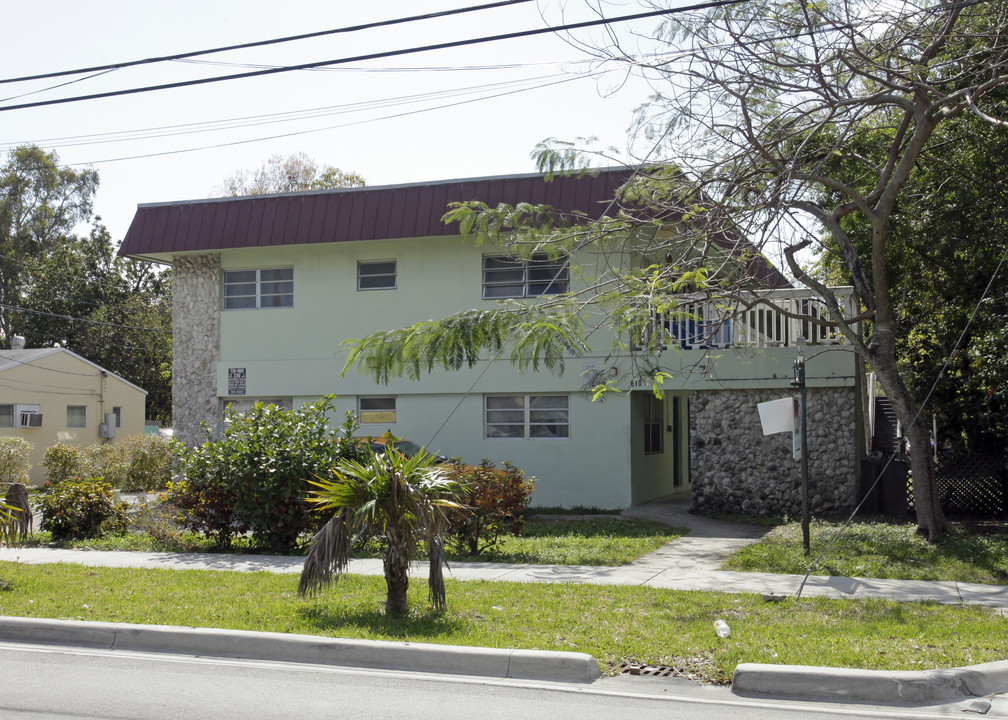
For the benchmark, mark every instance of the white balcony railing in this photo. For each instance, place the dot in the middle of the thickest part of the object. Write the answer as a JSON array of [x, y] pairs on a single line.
[[776, 320]]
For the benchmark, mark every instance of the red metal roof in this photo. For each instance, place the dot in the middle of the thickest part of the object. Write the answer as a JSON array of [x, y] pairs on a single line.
[[368, 213]]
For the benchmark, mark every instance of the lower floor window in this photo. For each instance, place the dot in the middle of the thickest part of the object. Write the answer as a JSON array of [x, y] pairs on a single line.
[[653, 416], [527, 416], [376, 410]]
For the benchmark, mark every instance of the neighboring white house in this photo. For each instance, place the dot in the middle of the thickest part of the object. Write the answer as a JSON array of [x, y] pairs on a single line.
[[267, 288], [51, 395]]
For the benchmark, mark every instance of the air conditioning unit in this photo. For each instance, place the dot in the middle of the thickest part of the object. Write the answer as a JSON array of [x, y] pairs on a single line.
[[29, 419]]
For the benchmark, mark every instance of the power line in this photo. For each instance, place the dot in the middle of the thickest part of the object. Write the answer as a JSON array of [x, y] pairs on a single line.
[[323, 129], [14, 308], [377, 55], [262, 43], [283, 117]]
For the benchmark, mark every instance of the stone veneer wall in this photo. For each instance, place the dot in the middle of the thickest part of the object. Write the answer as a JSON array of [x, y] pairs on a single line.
[[196, 343], [735, 468]]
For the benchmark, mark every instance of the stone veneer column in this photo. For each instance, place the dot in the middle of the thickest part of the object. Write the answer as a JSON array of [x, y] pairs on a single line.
[[734, 468], [195, 344]]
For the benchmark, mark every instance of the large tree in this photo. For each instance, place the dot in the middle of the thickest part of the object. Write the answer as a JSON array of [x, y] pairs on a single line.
[[61, 287], [294, 173], [41, 203], [950, 234], [114, 311], [759, 111]]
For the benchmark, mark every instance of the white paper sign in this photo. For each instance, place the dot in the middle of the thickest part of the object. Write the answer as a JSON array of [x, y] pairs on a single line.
[[777, 415]]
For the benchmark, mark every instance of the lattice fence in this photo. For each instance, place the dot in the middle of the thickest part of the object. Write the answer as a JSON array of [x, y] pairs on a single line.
[[974, 485]]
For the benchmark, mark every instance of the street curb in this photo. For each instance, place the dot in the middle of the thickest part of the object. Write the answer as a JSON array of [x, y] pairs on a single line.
[[903, 687], [248, 645]]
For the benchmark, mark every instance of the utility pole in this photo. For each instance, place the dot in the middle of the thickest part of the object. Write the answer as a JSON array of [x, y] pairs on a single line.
[[799, 383]]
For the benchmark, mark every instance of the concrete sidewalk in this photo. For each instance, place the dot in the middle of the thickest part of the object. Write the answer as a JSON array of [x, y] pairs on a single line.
[[645, 571]]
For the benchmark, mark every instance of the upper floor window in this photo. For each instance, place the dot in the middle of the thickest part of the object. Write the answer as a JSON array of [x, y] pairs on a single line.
[[505, 277], [250, 289], [376, 275]]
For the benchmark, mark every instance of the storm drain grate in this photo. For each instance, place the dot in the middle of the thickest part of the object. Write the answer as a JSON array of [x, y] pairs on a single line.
[[657, 670]]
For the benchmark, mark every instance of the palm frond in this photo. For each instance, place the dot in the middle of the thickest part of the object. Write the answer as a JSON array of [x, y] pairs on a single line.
[[328, 556]]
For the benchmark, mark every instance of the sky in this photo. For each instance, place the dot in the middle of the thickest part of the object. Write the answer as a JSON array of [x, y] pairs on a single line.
[[462, 112]]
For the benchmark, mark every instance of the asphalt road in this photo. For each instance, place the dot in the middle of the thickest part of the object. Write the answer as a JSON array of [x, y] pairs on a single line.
[[63, 683]]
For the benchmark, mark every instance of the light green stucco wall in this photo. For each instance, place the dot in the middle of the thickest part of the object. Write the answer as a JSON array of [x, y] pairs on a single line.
[[296, 352]]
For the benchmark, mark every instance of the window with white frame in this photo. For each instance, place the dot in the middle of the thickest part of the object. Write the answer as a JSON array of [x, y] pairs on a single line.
[[654, 414], [527, 416], [6, 416], [376, 410], [76, 416], [376, 275], [257, 289], [506, 277], [117, 411]]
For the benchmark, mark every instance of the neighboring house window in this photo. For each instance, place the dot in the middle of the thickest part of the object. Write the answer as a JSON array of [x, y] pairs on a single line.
[[505, 277], [527, 416], [376, 275], [117, 411], [377, 410], [76, 416], [653, 416], [6, 416], [251, 289], [28, 416]]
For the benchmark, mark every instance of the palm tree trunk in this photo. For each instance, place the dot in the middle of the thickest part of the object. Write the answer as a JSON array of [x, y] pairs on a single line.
[[396, 564]]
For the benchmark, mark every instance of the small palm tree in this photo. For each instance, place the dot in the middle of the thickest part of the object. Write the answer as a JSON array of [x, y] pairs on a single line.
[[15, 515], [404, 499]]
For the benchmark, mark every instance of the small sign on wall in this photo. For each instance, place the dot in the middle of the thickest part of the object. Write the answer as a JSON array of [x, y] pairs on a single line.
[[236, 381]]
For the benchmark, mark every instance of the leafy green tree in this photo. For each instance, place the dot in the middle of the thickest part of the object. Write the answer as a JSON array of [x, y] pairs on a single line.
[[759, 110], [59, 287], [40, 205], [400, 499], [113, 311], [295, 173], [950, 232]]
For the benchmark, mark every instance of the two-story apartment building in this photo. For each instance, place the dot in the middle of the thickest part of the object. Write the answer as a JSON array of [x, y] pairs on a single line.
[[267, 288]]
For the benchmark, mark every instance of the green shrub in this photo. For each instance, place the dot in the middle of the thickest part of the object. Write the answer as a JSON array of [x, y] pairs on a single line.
[[96, 457], [494, 501], [75, 509], [146, 461], [63, 462], [15, 459], [255, 476]]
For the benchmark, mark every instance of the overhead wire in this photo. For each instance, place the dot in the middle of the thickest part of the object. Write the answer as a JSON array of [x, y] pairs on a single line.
[[376, 55], [263, 43], [184, 129]]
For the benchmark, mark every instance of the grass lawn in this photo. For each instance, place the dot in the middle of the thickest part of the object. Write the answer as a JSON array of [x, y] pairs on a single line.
[[594, 541], [975, 552], [615, 624]]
